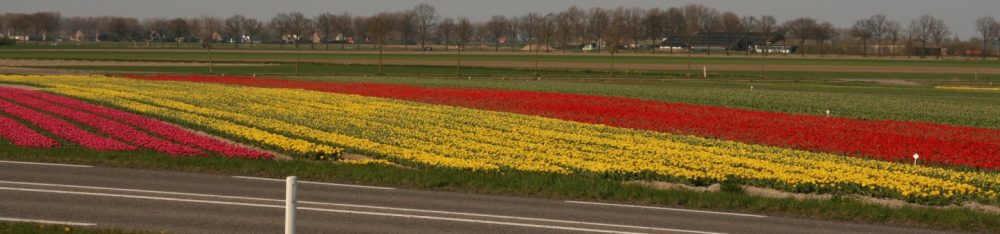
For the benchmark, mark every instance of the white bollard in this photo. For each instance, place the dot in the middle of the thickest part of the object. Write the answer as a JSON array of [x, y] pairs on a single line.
[[290, 203]]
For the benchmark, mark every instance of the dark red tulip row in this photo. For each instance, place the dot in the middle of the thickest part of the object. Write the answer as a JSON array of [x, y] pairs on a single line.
[[167, 131], [879, 139], [110, 127], [21, 135], [63, 129]]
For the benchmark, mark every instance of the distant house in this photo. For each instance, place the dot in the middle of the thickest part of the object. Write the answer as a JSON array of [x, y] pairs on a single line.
[[719, 41], [593, 47]]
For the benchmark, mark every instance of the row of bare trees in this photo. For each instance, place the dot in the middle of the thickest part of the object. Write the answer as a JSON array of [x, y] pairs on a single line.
[[565, 30]]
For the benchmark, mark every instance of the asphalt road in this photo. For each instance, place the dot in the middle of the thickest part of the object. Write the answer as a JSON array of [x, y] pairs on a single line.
[[175, 202]]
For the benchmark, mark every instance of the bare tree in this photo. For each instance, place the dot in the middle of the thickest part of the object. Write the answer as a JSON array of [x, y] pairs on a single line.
[[634, 27], [730, 23], [44, 22], [155, 28], [425, 16], [893, 33], [405, 25], [480, 32], [445, 31], [700, 18], [675, 23], [123, 29], [802, 29], [614, 33], [546, 30], [863, 29], [360, 30], [498, 27], [654, 27], [343, 26], [766, 25], [939, 31], [578, 26], [326, 25], [178, 28], [514, 29], [563, 30], [379, 27], [207, 28], [280, 26], [463, 30], [987, 27], [251, 29], [822, 33], [529, 27], [299, 27], [928, 29], [599, 21], [234, 27], [878, 24], [19, 23]]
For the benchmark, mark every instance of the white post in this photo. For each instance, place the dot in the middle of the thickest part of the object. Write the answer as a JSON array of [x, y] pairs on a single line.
[[290, 203], [704, 71], [915, 157]]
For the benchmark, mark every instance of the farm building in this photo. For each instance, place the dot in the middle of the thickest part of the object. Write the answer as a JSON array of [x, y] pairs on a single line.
[[722, 41]]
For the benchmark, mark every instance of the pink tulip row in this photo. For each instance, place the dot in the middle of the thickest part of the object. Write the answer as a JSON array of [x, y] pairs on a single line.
[[22, 135], [167, 131], [107, 126], [63, 129]]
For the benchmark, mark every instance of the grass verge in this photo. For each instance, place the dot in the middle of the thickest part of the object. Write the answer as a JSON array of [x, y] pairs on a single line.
[[37, 228]]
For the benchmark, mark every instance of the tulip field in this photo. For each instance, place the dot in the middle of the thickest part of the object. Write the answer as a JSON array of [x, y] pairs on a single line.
[[492, 131]]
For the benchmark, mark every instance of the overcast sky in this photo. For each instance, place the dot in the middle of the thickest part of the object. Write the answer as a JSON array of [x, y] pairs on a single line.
[[960, 15]]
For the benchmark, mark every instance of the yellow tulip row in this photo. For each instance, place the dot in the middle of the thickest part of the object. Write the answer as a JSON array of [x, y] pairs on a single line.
[[423, 134], [245, 132]]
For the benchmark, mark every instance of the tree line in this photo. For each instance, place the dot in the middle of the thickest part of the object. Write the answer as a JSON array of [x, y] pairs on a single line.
[[421, 26]]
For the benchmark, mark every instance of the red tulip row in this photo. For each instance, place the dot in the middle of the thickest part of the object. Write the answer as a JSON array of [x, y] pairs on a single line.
[[110, 127], [879, 139], [21, 135], [63, 129], [167, 131]]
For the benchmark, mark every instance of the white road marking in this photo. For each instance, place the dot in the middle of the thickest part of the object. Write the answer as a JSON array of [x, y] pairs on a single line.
[[310, 182], [670, 209], [46, 164], [47, 222], [351, 205], [505, 217], [139, 191], [335, 211]]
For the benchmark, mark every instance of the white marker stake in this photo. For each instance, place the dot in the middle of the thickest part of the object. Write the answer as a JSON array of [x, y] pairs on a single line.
[[751, 88], [915, 157], [290, 203], [704, 71], [827, 113]]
